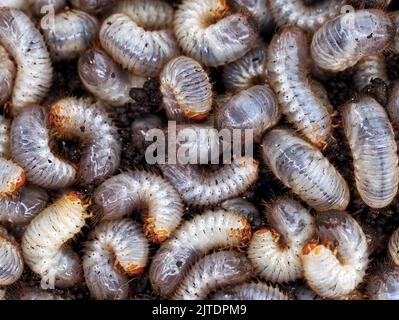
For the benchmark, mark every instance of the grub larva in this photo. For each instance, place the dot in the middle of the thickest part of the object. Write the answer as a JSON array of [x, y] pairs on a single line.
[[369, 68], [93, 6], [25, 44], [43, 7], [30, 149], [384, 283], [343, 41], [71, 33], [303, 168], [186, 89], [115, 250], [259, 10], [203, 188], [139, 36], [393, 247], [44, 243], [211, 273], [244, 208], [211, 33], [393, 102], [372, 142], [121, 194], [275, 252], [251, 291], [335, 265], [105, 79], [90, 122], [197, 237], [7, 74], [12, 177], [255, 108], [288, 70], [11, 262]]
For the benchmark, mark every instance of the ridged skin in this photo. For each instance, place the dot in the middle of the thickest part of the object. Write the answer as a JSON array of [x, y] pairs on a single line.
[[11, 262], [139, 36], [7, 75], [343, 41], [30, 149], [335, 266], [25, 44], [195, 238], [393, 247], [275, 252], [212, 272], [374, 151], [4, 137], [369, 68], [44, 243], [72, 33], [186, 89], [115, 250], [251, 291], [105, 79], [121, 194], [309, 18], [90, 122], [38, 7], [12, 177], [384, 283], [93, 6], [211, 33], [305, 170]]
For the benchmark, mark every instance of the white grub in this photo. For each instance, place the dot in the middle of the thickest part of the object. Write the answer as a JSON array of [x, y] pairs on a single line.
[[11, 262], [303, 168], [44, 243], [121, 194], [259, 10], [337, 263], [368, 69], [7, 75], [275, 252], [139, 36], [212, 33], [23, 41], [115, 251], [251, 291], [195, 238], [372, 142]]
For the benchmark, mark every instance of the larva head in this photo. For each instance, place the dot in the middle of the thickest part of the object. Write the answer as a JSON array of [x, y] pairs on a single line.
[[77, 200], [244, 208], [384, 283], [153, 233], [393, 247]]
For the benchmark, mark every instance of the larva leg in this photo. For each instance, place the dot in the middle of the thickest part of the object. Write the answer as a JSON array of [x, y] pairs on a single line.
[[251, 291], [11, 262]]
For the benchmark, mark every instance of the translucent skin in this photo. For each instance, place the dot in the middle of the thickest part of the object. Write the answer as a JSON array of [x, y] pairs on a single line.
[[140, 126], [244, 208], [72, 33], [38, 294], [211, 33], [186, 89], [7, 75], [259, 10], [212, 272], [139, 36], [303, 168], [335, 265], [195, 238], [288, 67], [374, 151], [11, 262], [369, 68], [4, 137], [12, 177], [93, 6], [121, 194], [30, 149], [37, 5], [105, 79], [115, 250], [384, 283], [255, 108], [343, 41], [25, 44], [393, 103], [250, 291], [90, 122], [393, 247]]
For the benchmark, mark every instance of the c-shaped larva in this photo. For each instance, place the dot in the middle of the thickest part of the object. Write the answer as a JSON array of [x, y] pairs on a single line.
[[4, 137], [90, 122], [247, 71], [305, 170], [211, 33], [121, 194], [105, 79], [186, 89], [393, 247], [309, 18], [44, 243], [25, 44], [369, 68], [336, 264], [197, 237], [254, 109], [275, 252], [71, 33], [384, 283], [7, 75], [30, 149], [211, 273], [393, 103], [251, 291], [43, 7], [11, 262], [288, 67], [374, 151], [93, 6], [139, 36], [203, 188], [343, 41], [115, 250]]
